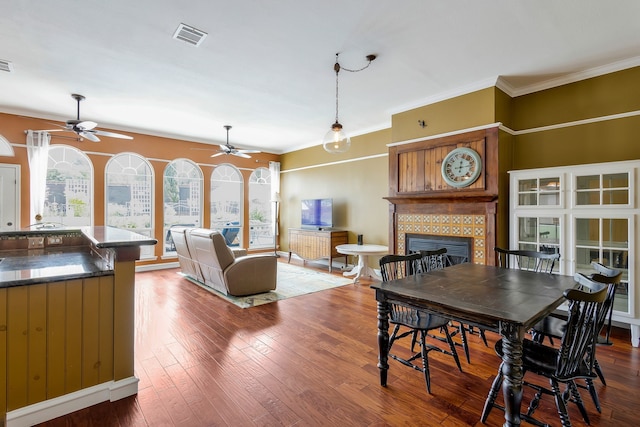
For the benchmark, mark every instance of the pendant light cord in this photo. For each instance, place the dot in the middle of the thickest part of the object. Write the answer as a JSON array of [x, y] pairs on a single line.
[[337, 69]]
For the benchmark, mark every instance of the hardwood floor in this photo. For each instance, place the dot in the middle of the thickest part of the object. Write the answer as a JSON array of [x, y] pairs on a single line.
[[311, 361]]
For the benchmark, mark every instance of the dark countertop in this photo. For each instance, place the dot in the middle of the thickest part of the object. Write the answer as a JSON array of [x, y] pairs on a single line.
[[26, 267]]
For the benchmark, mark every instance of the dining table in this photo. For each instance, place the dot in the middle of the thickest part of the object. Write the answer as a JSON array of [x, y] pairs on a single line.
[[506, 301]]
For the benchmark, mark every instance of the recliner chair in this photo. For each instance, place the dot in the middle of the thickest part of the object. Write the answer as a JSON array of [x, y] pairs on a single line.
[[226, 273]]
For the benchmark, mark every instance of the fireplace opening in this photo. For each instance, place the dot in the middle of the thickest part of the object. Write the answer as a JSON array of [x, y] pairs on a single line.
[[458, 248]]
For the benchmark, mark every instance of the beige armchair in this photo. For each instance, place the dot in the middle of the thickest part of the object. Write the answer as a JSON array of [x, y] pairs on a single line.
[[225, 272]]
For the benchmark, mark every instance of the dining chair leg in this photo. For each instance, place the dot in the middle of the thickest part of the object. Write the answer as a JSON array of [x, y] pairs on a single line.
[[594, 394], [493, 394], [452, 346], [425, 360], [598, 369], [560, 404], [577, 399], [463, 338]]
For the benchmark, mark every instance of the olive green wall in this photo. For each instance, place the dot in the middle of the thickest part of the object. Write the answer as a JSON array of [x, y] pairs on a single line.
[[462, 112], [603, 140]]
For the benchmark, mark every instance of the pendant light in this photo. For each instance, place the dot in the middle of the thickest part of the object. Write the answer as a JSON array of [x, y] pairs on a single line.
[[336, 140]]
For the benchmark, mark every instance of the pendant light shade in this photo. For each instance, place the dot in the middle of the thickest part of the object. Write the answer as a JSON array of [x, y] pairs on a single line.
[[337, 140]]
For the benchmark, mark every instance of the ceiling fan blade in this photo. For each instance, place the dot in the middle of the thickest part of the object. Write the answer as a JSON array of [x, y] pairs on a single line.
[[112, 134], [87, 125], [88, 135], [248, 151], [239, 154], [217, 154]]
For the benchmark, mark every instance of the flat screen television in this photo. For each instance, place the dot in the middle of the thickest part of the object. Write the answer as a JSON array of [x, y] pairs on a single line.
[[317, 213]]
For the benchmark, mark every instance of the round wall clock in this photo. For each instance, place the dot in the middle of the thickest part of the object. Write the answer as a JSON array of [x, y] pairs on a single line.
[[461, 167]]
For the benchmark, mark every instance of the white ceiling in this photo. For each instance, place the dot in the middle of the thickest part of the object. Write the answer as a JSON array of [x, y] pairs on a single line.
[[266, 67]]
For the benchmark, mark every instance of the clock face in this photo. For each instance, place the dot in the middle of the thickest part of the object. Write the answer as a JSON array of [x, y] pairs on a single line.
[[461, 167]]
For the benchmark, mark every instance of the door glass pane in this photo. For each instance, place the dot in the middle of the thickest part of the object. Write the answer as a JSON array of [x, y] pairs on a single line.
[[549, 199], [588, 198], [614, 232], [528, 185], [550, 184], [584, 256], [616, 180], [588, 182], [587, 231], [530, 199], [549, 230], [527, 229], [615, 197]]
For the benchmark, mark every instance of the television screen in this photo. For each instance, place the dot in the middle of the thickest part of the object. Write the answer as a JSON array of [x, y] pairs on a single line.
[[317, 213]]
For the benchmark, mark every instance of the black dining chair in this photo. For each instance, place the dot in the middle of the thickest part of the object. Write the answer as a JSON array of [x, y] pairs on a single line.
[[436, 259], [411, 323], [611, 273], [553, 326], [573, 360], [540, 261]]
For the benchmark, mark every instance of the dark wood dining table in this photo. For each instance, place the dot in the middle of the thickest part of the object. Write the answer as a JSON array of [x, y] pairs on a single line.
[[503, 300]]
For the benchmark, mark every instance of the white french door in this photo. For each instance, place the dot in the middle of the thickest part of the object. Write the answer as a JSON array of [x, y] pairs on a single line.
[[9, 197]]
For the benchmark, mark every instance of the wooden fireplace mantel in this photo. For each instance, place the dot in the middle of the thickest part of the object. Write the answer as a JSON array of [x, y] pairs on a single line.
[[416, 187]]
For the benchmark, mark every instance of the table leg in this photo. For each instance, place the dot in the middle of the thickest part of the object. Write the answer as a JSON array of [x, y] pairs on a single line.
[[358, 269], [383, 341], [512, 371]]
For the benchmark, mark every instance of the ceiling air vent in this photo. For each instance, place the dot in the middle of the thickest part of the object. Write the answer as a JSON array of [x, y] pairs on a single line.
[[6, 66], [189, 34]]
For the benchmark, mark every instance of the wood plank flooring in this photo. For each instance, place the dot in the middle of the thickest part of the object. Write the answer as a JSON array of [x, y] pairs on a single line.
[[311, 361]]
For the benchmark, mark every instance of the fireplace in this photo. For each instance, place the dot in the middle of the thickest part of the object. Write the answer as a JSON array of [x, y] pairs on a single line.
[[459, 249], [467, 230]]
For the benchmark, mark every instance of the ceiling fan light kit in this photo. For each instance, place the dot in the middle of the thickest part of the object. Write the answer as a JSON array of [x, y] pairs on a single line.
[[337, 140]]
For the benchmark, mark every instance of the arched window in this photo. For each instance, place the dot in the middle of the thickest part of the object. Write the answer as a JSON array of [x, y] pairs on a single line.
[[69, 190], [260, 212], [129, 196], [226, 203], [182, 195]]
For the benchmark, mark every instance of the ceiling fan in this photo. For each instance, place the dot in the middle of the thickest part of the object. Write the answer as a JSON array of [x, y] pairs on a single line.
[[230, 149], [85, 128]]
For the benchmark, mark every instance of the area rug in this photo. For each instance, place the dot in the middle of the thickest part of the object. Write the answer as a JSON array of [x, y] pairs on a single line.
[[292, 281]]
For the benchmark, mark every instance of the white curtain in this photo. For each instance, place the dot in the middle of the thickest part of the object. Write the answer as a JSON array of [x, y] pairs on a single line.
[[274, 171], [38, 153]]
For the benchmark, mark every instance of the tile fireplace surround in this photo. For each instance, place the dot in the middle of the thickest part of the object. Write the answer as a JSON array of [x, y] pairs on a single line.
[[454, 225]]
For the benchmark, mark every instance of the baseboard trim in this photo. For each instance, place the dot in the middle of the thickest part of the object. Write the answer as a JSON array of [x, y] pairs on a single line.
[[62, 405]]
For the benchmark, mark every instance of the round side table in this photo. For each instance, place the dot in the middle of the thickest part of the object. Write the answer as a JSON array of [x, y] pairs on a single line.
[[363, 252]]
